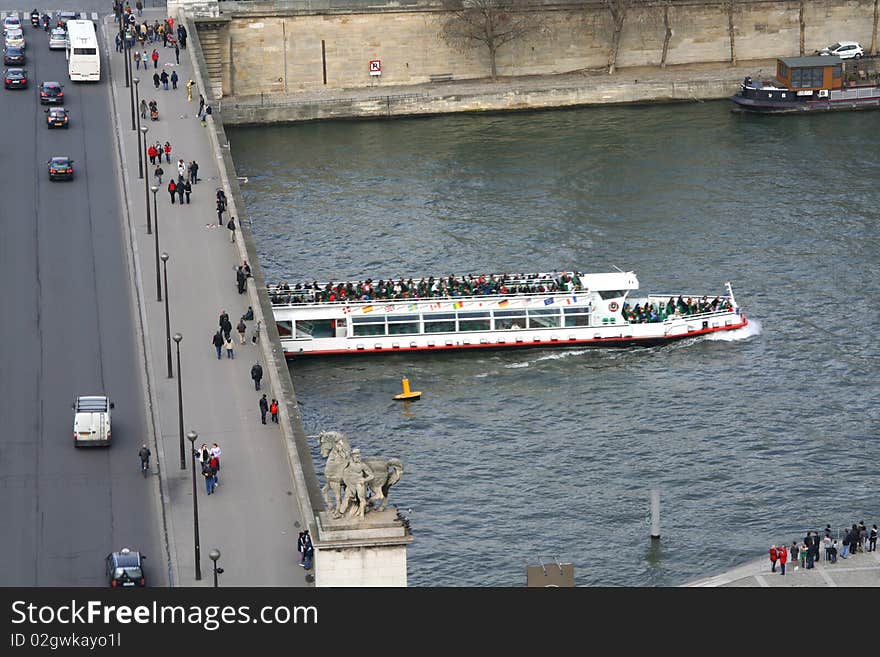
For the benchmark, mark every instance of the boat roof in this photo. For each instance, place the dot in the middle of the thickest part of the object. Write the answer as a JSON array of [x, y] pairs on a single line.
[[813, 60]]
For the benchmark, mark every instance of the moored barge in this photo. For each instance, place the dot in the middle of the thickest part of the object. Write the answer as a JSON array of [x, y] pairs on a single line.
[[497, 311]]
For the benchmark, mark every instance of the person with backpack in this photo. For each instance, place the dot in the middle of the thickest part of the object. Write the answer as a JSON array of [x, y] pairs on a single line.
[[172, 189], [241, 328], [773, 558]]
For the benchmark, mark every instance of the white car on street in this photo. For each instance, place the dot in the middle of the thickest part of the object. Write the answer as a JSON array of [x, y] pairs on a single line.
[[11, 23], [15, 38], [844, 50], [58, 39]]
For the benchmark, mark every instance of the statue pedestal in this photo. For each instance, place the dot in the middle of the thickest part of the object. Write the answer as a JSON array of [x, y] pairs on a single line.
[[355, 552]]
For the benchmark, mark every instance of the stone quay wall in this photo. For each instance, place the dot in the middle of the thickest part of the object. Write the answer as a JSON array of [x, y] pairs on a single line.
[[286, 48]]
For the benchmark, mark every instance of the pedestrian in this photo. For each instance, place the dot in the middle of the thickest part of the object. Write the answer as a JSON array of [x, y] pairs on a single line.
[[247, 268], [156, 80], [241, 328], [230, 348], [164, 78], [783, 556], [256, 336], [208, 474], [172, 189], [215, 461], [256, 375], [201, 105], [180, 189], [872, 539], [273, 410], [177, 54], [264, 408], [187, 188], [227, 328], [308, 550], [174, 78], [826, 543], [301, 548], [224, 317], [181, 34], [218, 344], [194, 166], [118, 42], [220, 209], [143, 109], [808, 545], [155, 57], [834, 550], [181, 168], [152, 152], [164, 37], [241, 279], [158, 174], [231, 226], [221, 197], [249, 314], [189, 90], [167, 149], [773, 557], [140, 7], [802, 555], [137, 60], [846, 547]]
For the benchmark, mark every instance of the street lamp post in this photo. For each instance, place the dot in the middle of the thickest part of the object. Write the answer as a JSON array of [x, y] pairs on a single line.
[[155, 189], [140, 154], [164, 258], [192, 435], [144, 131], [177, 338], [131, 87], [123, 32], [214, 555]]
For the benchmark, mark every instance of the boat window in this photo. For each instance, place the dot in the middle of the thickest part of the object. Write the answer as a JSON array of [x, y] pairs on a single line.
[[368, 329], [543, 318], [315, 328], [436, 316], [402, 318], [510, 320], [285, 329], [611, 294], [577, 316], [835, 73], [474, 325], [439, 326], [401, 328]]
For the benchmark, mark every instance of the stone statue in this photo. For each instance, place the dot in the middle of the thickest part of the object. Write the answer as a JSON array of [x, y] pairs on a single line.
[[385, 473]]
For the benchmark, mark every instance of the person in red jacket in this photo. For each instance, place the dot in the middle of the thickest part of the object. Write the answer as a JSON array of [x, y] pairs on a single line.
[[153, 153], [782, 553], [773, 557]]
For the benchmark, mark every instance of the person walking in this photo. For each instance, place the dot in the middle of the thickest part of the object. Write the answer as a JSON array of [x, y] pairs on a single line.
[[201, 105], [273, 410], [156, 80], [140, 8], [227, 328], [194, 167], [208, 474], [177, 55], [221, 197], [137, 60], [308, 550], [152, 153], [256, 336], [164, 37], [773, 557], [218, 344], [118, 42], [180, 189], [231, 226], [157, 173], [301, 548], [181, 35], [257, 375], [242, 329], [164, 78], [181, 168], [846, 547], [220, 209], [241, 279], [187, 189], [174, 78], [215, 453], [143, 109], [783, 556], [189, 90], [224, 317], [155, 57], [167, 149], [264, 408], [172, 190], [230, 348]]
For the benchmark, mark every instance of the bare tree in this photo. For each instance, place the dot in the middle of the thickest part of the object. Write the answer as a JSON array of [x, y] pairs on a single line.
[[803, 23], [874, 31], [731, 5], [618, 9], [667, 34], [489, 23]]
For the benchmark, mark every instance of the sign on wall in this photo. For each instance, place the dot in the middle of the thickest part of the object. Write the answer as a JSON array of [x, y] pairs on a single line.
[[375, 67]]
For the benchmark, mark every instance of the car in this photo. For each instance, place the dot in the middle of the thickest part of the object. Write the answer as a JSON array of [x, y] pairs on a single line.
[[11, 23], [15, 78], [51, 92], [91, 419], [13, 56], [57, 117], [844, 50], [62, 17], [125, 569], [57, 39], [61, 168], [15, 38]]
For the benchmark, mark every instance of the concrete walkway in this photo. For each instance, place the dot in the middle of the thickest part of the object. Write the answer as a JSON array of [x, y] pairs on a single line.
[[253, 518]]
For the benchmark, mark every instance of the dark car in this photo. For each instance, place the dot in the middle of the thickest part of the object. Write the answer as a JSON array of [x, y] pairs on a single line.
[[51, 92], [15, 78], [60, 168], [13, 56], [57, 117], [126, 568]]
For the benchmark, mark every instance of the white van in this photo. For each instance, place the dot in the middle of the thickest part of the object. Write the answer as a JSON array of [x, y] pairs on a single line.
[[91, 421]]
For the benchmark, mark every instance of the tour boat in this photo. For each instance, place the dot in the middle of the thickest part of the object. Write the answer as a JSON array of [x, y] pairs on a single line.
[[497, 311]]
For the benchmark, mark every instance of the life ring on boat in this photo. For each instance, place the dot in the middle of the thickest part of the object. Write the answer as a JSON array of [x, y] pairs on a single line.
[[613, 306]]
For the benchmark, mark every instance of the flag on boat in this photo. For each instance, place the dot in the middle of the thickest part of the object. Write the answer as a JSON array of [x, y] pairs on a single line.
[[501, 304], [457, 304], [389, 308], [571, 300], [367, 309], [412, 306], [548, 302], [346, 310]]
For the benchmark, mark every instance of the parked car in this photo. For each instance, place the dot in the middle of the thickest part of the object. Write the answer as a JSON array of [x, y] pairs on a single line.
[[15, 38], [15, 78], [51, 92], [57, 117], [13, 56], [61, 168], [125, 568], [57, 39], [844, 50]]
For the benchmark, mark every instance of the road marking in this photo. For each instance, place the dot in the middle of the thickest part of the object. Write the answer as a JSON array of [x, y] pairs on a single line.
[[94, 15]]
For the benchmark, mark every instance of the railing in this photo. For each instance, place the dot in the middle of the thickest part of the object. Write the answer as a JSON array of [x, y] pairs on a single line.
[[408, 300]]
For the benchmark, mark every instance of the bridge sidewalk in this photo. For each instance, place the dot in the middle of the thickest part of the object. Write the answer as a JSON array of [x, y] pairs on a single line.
[[253, 518]]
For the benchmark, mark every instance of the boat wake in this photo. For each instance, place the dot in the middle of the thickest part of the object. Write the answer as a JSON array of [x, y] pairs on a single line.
[[751, 329], [556, 355]]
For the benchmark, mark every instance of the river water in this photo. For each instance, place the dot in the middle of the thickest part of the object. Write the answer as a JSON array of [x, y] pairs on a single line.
[[513, 458]]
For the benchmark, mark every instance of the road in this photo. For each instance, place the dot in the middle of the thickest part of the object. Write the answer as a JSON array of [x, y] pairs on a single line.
[[68, 328]]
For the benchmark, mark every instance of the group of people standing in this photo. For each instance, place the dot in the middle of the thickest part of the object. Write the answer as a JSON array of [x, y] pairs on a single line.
[[807, 553]]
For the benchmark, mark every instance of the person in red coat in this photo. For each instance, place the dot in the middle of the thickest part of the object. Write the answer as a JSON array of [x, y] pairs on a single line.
[[782, 553], [773, 557], [153, 153]]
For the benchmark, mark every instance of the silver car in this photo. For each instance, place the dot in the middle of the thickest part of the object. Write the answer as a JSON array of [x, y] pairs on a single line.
[[58, 39], [15, 38]]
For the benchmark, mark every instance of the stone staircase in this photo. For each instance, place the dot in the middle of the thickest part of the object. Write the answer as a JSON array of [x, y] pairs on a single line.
[[212, 50]]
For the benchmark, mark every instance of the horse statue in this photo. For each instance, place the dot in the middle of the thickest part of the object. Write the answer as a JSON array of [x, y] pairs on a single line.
[[386, 472]]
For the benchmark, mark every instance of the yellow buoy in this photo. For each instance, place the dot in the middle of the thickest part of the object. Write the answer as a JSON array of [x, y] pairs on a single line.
[[407, 394]]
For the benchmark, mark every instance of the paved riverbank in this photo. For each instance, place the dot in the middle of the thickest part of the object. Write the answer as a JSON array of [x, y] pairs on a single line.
[[644, 84]]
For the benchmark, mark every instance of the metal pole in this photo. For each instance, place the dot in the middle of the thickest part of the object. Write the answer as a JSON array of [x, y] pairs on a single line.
[[156, 240], [125, 55], [165, 257], [192, 435], [177, 338], [655, 514], [131, 87], [144, 131], [140, 154]]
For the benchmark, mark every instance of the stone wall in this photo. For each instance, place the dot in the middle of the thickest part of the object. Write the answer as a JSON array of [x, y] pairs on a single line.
[[288, 51]]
